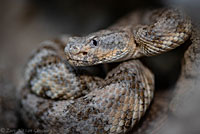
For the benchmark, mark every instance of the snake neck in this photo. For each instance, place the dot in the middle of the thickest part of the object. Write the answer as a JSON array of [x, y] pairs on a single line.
[[134, 50]]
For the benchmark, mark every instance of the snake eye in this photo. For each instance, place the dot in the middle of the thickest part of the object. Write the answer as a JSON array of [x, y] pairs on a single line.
[[94, 42]]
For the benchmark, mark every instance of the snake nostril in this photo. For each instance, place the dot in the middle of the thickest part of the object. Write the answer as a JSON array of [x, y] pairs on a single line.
[[84, 53], [74, 48]]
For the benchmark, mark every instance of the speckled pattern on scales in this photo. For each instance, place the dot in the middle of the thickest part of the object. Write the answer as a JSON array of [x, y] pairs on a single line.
[[96, 105]]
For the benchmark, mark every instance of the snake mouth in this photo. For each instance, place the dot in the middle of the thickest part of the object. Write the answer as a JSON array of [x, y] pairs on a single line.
[[76, 62], [95, 61]]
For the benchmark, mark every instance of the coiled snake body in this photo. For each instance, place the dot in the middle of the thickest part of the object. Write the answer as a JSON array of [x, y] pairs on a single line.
[[116, 103]]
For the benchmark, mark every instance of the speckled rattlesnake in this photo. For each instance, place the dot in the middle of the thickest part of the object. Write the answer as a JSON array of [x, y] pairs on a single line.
[[113, 104]]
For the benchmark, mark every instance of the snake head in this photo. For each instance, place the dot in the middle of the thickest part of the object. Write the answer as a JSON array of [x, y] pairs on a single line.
[[101, 47]]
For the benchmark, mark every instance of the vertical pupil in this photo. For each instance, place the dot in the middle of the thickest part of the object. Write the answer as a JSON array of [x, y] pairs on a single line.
[[94, 42]]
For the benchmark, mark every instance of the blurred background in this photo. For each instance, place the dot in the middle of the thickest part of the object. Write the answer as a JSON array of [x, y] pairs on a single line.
[[25, 23]]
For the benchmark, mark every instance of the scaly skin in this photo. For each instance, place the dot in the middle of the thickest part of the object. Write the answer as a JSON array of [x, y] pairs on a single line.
[[163, 30], [114, 104], [111, 105]]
